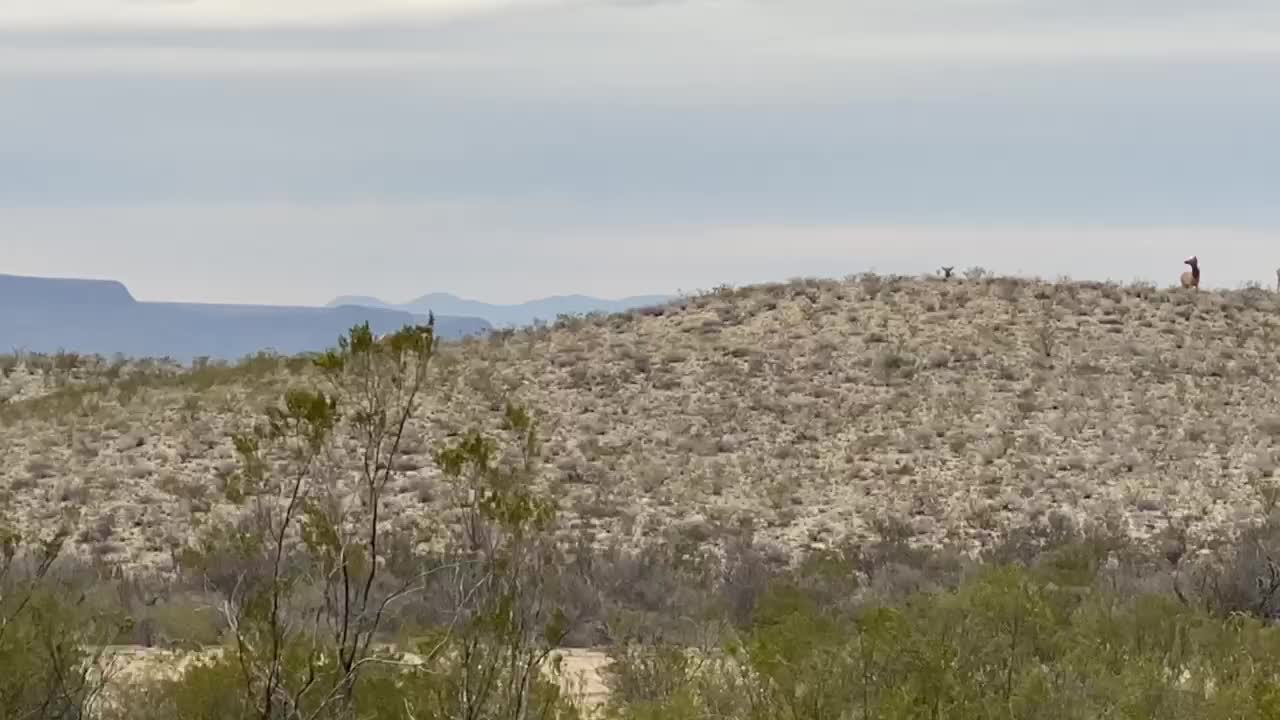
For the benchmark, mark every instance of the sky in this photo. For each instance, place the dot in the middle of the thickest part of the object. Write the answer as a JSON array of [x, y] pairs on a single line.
[[288, 151]]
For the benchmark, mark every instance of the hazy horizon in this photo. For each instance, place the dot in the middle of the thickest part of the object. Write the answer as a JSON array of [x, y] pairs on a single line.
[[504, 150]]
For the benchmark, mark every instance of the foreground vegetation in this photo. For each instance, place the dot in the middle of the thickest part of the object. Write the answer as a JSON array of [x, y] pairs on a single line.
[[1059, 623], [323, 609]]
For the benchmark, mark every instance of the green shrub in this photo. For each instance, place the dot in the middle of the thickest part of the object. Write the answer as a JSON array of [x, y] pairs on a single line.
[[51, 662], [1008, 643]]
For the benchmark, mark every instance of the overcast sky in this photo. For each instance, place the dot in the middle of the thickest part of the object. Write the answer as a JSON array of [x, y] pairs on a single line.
[[293, 150]]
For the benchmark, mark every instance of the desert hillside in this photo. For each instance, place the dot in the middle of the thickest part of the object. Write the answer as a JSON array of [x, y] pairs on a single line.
[[815, 411]]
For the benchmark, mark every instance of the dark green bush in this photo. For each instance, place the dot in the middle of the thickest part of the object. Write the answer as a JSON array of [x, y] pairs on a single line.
[[1008, 643], [51, 635]]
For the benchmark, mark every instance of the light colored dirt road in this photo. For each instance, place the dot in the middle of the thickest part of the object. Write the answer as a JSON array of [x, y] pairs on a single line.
[[132, 664]]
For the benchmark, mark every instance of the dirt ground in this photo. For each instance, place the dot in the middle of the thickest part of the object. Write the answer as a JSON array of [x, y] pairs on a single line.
[[131, 664]]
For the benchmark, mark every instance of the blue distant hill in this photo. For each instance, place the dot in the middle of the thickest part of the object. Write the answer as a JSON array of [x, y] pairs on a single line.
[[101, 316], [546, 309]]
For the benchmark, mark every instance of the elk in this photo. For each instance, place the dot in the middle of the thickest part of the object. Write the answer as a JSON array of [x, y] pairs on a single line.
[[947, 270], [1191, 279]]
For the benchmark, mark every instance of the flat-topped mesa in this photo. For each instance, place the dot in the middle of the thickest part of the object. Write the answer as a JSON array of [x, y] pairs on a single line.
[[17, 291], [1191, 278]]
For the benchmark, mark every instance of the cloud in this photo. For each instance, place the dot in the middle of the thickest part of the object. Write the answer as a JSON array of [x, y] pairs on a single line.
[[859, 29], [642, 136], [176, 14], [681, 51], [179, 61], [1136, 143]]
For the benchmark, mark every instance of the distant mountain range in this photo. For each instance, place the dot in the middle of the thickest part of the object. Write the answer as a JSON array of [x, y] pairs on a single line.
[[506, 315], [102, 316]]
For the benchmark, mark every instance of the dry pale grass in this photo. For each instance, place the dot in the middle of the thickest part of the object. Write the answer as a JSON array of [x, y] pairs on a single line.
[[815, 411]]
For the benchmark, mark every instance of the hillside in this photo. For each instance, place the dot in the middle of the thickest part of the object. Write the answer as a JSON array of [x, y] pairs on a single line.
[[97, 316], [816, 411], [545, 309], [23, 290]]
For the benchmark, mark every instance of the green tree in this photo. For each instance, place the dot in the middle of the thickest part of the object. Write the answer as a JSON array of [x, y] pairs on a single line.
[[301, 571], [493, 659]]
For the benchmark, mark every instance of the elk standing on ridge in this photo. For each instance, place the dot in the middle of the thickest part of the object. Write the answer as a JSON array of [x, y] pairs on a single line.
[[1192, 279], [946, 272]]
